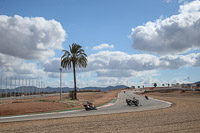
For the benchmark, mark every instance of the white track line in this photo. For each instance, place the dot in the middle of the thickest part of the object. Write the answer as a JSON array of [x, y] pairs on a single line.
[[67, 111]]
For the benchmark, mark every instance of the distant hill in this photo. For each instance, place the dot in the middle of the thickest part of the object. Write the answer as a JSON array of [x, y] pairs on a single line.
[[103, 88], [197, 82], [57, 89]]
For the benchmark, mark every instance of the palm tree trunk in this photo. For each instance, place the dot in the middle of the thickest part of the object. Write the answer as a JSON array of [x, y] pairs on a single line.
[[74, 70]]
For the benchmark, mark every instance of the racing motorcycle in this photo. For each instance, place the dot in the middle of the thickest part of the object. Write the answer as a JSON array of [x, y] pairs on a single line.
[[146, 97], [132, 102], [89, 106]]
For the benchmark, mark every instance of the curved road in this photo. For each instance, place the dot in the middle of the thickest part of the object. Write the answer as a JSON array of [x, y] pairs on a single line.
[[119, 106]]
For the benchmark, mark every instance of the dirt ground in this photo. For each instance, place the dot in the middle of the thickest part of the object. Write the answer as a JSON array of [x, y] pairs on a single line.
[[183, 116], [52, 103]]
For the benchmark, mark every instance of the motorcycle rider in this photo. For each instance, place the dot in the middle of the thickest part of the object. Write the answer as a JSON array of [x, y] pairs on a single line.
[[146, 97], [90, 106]]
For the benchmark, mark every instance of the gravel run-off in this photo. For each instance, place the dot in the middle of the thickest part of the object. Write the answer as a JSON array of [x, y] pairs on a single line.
[[182, 116]]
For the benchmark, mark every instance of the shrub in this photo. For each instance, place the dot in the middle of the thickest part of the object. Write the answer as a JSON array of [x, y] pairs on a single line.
[[71, 94]]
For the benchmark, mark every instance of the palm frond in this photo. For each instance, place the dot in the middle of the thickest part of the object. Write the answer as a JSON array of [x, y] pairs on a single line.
[[66, 62], [76, 55], [66, 54]]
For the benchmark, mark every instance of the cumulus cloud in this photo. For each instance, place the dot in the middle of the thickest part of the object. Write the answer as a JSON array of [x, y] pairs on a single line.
[[16, 67], [138, 62], [192, 7], [52, 65], [149, 81], [197, 60], [174, 35], [120, 64], [114, 73], [180, 1], [105, 81], [167, 1], [103, 46], [175, 81], [54, 75], [30, 38], [183, 80]]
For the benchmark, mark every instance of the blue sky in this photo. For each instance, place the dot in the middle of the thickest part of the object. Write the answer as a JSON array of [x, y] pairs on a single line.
[[127, 42]]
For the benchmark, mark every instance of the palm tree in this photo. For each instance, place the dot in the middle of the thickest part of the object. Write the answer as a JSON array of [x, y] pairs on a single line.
[[76, 57]]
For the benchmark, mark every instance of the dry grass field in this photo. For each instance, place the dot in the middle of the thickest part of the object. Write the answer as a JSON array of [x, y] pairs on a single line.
[[183, 116], [52, 103]]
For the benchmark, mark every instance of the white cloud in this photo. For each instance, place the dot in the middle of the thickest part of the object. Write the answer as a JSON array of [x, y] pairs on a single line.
[[168, 1], [54, 75], [183, 80], [120, 64], [192, 7], [16, 67], [181, 1], [173, 35], [30, 38], [52, 65], [103, 46], [138, 62], [177, 61], [175, 81], [149, 81], [197, 60], [114, 73], [105, 81]]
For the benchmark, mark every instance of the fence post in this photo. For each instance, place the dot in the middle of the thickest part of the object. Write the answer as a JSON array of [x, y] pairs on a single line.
[[29, 88], [44, 88], [18, 87], [32, 86], [41, 87], [6, 87], [36, 88], [26, 87], [10, 86], [15, 87]]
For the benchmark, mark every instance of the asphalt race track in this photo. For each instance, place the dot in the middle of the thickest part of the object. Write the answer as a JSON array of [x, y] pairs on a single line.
[[119, 106]]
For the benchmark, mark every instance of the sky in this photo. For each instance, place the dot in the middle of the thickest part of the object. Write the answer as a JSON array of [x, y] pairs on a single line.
[[132, 42]]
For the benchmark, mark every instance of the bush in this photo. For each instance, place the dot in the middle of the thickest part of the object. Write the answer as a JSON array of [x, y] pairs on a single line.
[[71, 94], [182, 91], [155, 85]]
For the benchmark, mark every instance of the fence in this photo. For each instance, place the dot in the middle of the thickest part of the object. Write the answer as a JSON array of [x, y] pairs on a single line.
[[20, 87]]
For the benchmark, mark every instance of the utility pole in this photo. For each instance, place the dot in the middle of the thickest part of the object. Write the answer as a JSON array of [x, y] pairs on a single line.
[[60, 83]]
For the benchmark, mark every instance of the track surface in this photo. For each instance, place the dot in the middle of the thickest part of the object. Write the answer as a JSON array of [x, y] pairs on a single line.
[[119, 106]]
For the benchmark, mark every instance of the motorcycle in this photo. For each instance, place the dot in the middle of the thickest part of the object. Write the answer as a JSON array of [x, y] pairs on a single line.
[[132, 102], [146, 97], [89, 106]]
